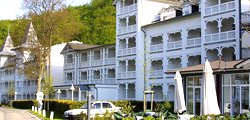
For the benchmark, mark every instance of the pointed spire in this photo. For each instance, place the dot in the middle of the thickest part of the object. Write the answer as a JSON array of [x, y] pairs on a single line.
[[7, 45], [29, 35]]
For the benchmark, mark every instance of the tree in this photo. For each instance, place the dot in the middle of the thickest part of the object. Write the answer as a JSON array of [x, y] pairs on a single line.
[[146, 71], [46, 16], [98, 22], [47, 87], [11, 91]]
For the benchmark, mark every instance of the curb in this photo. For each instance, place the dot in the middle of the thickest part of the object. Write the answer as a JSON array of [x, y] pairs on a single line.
[[37, 117]]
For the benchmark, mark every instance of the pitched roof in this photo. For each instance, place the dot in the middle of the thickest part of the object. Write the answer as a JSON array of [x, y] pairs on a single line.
[[217, 66], [193, 2], [29, 36], [80, 46], [172, 2], [163, 10], [7, 46], [72, 46]]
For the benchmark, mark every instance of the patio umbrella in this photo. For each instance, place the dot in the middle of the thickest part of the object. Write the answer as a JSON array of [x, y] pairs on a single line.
[[179, 102], [209, 97]]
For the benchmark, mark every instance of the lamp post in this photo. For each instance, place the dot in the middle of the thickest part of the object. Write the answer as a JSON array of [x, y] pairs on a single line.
[[72, 89], [15, 95], [59, 92]]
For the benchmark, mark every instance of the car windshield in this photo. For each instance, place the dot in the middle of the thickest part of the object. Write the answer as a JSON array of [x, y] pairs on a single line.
[[85, 106]]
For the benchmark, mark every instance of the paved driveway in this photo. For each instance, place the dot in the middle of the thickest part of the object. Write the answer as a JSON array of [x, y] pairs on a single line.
[[16, 114]]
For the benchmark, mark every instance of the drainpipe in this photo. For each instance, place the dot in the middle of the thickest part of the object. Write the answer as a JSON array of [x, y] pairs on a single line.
[[240, 46], [96, 98], [144, 42], [76, 66]]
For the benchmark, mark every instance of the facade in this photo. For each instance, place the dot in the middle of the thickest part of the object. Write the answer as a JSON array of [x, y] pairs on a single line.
[[167, 34], [231, 81], [11, 56], [177, 34]]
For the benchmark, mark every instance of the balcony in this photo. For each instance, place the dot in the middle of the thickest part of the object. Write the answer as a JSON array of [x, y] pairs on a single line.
[[220, 8], [95, 81], [156, 48], [128, 29], [68, 82], [7, 78], [217, 37], [157, 73], [128, 9], [84, 64], [194, 42], [69, 65], [110, 61], [96, 62], [128, 51], [128, 74], [174, 45], [109, 81], [29, 89]]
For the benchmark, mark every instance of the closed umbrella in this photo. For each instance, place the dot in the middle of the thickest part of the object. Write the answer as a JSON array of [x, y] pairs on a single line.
[[179, 102], [209, 97]]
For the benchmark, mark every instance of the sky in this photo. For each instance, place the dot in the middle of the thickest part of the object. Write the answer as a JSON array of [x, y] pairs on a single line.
[[11, 9]]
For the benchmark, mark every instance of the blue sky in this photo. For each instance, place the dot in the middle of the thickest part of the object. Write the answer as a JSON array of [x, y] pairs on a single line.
[[11, 9]]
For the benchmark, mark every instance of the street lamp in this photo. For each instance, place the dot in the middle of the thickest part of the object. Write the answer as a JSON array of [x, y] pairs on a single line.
[[59, 92], [15, 95], [72, 89]]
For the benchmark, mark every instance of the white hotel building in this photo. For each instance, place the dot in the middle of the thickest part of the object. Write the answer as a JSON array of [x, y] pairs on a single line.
[[178, 34]]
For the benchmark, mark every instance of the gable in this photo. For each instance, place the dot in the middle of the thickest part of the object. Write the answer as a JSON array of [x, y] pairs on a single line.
[[66, 48]]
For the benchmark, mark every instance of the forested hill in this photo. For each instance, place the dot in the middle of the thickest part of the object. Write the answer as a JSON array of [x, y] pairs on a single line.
[[92, 23]]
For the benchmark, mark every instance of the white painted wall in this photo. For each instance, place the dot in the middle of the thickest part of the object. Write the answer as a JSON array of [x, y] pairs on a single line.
[[57, 62]]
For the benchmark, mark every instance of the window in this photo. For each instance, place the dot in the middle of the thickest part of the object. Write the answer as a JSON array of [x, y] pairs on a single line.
[[235, 93], [96, 106], [194, 94], [106, 105]]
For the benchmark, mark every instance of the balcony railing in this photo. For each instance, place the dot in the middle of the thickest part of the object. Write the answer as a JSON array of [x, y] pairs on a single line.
[[128, 9], [7, 78], [69, 65], [84, 64], [96, 62], [128, 29], [128, 51], [157, 73], [95, 81], [128, 74], [245, 17], [29, 89], [99, 81], [68, 82], [109, 61], [220, 8], [217, 37], [109, 81], [174, 45], [156, 48], [194, 42]]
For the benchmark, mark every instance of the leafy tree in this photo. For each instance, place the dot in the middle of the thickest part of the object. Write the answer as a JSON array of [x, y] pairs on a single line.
[[47, 87], [46, 16], [98, 23], [11, 91]]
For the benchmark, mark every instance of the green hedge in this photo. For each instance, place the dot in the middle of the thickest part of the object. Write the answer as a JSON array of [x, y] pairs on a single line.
[[62, 105], [24, 104]]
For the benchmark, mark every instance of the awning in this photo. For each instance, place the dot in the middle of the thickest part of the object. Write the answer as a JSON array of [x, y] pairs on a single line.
[[83, 87]]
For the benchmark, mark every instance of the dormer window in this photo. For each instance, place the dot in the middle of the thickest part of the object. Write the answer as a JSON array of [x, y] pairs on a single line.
[[189, 7], [186, 10]]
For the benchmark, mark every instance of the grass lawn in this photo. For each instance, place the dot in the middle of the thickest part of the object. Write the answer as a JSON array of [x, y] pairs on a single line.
[[57, 116]]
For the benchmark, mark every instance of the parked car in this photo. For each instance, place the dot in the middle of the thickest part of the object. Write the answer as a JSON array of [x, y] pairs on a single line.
[[98, 107]]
